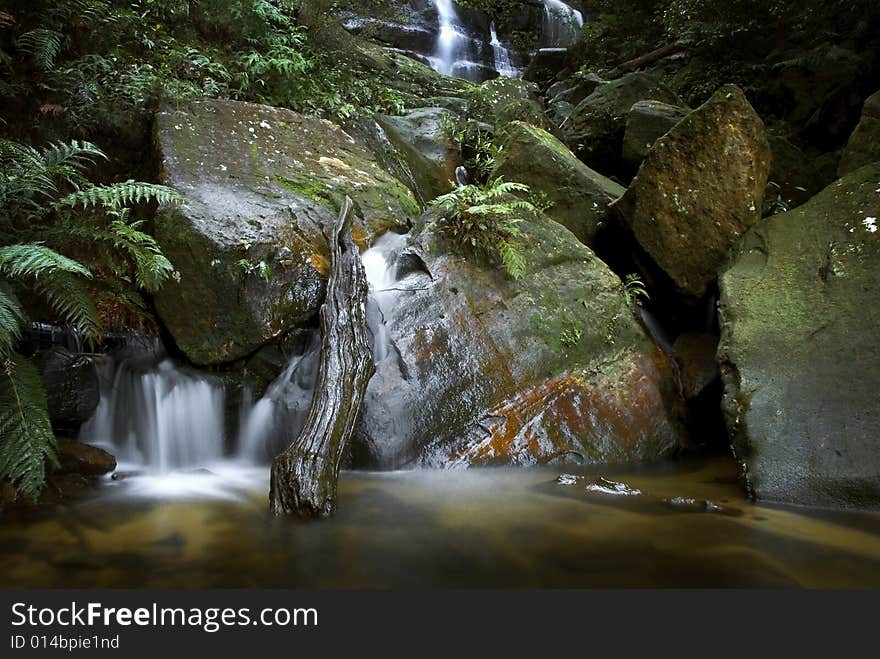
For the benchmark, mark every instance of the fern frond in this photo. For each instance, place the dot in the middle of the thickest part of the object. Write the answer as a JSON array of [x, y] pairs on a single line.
[[512, 258], [72, 301], [152, 269], [11, 318], [117, 195], [56, 278], [43, 46], [34, 260], [26, 438], [74, 153]]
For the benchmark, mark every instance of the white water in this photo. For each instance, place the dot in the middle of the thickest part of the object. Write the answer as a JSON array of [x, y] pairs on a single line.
[[562, 24], [269, 425], [503, 63], [454, 54], [156, 415], [379, 263]]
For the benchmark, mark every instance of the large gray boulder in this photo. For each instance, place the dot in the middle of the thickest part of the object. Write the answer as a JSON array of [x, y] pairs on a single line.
[[482, 369], [579, 196], [800, 305], [699, 189], [595, 128], [262, 186], [421, 138]]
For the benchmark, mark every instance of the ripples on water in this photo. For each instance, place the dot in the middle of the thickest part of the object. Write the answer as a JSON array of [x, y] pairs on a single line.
[[475, 528]]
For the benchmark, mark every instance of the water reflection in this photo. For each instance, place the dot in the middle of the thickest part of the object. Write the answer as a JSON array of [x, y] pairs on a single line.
[[488, 528]]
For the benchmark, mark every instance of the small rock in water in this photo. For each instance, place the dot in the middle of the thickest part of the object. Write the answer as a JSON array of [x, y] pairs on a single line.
[[615, 488], [567, 479], [697, 505]]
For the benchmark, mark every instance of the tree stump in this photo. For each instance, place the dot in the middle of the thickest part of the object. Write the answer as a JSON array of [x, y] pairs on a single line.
[[304, 477]]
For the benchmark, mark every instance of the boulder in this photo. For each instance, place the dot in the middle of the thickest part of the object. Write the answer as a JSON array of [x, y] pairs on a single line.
[[71, 384], [595, 128], [646, 122], [579, 196], [799, 307], [486, 370], [261, 186], [699, 189], [422, 140], [863, 147], [77, 458]]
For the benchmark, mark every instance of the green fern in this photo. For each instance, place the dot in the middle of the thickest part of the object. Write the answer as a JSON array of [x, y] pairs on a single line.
[[485, 219], [26, 438], [118, 195], [152, 269], [43, 46], [11, 318], [58, 279]]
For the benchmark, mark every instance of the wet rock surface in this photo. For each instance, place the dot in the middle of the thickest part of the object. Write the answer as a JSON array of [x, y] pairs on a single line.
[[71, 384], [798, 355], [485, 370], [863, 147], [262, 186], [579, 196]]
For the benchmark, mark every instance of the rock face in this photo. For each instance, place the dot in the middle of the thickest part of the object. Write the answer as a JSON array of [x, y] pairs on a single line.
[[421, 139], [799, 355], [261, 185], [78, 458], [71, 385], [646, 122], [580, 196], [484, 370], [794, 177], [595, 128], [699, 189], [864, 144]]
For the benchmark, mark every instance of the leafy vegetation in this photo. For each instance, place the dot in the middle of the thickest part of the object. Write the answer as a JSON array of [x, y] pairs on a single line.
[[484, 219], [49, 206], [634, 290]]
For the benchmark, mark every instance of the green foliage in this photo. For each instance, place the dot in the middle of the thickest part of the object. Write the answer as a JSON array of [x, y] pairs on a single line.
[[26, 438], [484, 219], [571, 335], [48, 207], [42, 45], [634, 290]]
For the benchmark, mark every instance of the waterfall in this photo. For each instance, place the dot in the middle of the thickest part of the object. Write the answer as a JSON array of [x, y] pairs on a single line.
[[156, 415], [503, 64], [562, 24], [379, 267], [453, 56], [268, 426]]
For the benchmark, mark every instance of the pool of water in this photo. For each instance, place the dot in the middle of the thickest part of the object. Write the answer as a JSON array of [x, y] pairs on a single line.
[[474, 528]]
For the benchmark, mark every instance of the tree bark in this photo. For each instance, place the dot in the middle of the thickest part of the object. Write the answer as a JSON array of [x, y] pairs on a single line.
[[304, 477]]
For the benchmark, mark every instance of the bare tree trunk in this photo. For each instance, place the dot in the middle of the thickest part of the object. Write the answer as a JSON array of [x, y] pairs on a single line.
[[304, 477], [644, 60]]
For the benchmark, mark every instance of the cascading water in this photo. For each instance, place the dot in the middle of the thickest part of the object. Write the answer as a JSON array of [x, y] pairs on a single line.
[[268, 426], [562, 24], [503, 63], [155, 415], [379, 267], [454, 54]]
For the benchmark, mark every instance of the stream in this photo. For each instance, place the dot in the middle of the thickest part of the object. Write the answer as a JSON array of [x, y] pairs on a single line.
[[472, 528]]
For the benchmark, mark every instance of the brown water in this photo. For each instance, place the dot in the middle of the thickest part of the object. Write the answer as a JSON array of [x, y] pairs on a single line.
[[477, 528]]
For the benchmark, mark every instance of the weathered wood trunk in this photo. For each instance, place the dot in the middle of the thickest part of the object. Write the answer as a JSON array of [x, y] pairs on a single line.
[[304, 477]]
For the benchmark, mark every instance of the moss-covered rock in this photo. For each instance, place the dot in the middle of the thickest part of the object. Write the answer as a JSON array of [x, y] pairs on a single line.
[[699, 189], [580, 197], [594, 130], [864, 144], [261, 185], [487, 370], [421, 138], [800, 306]]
